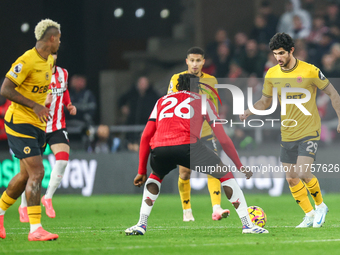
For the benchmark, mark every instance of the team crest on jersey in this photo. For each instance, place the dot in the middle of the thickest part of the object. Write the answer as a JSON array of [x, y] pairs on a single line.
[[47, 76], [287, 85], [27, 150], [60, 79], [299, 79], [18, 68], [321, 76]]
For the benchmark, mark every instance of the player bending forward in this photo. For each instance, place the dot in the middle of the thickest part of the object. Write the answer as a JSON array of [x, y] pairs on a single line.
[[173, 132]]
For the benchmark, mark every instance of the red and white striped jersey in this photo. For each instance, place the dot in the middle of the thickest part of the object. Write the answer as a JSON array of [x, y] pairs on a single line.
[[60, 97]]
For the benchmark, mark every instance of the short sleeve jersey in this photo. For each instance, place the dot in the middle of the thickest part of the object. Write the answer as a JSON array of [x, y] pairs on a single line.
[[205, 78], [32, 75], [296, 125]]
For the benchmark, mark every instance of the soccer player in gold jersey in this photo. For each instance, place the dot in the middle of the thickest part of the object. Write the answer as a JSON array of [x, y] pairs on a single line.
[[195, 61], [300, 133], [26, 85]]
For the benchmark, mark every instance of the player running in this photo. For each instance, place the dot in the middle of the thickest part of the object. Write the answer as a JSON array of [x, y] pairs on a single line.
[[173, 132], [299, 142]]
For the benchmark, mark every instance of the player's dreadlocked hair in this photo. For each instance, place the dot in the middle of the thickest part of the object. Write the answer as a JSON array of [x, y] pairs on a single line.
[[281, 40], [184, 82]]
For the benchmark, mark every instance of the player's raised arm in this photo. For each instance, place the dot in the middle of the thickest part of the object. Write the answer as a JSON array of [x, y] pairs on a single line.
[[261, 104], [335, 99]]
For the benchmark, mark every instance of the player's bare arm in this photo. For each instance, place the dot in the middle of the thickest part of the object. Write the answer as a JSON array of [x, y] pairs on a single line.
[[262, 104], [335, 99], [72, 109], [8, 91], [139, 180]]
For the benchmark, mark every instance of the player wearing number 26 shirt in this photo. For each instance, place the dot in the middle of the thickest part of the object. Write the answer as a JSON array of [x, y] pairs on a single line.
[[173, 132]]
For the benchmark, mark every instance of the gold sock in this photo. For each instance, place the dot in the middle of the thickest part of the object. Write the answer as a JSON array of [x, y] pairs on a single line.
[[300, 195], [6, 201], [34, 214], [184, 191], [214, 186], [314, 189]]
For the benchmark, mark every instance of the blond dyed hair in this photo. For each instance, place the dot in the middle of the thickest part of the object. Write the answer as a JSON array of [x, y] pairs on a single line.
[[42, 26]]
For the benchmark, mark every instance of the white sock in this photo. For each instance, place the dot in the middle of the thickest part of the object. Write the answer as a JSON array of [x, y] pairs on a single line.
[[311, 213], [2, 212], [320, 205], [187, 210], [34, 227], [239, 198], [145, 209], [216, 207], [23, 200], [56, 177]]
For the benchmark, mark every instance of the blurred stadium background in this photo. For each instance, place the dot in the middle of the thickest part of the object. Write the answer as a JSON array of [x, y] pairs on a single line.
[[111, 44]]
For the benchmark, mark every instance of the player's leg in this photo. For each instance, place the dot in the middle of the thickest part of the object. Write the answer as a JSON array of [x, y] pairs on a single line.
[[214, 186], [288, 156], [299, 193], [23, 209], [312, 184], [61, 152], [184, 189], [15, 188], [35, 170], [150, 194]]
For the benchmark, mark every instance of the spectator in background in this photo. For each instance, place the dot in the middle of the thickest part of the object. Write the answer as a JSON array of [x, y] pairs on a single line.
[[286, 22], [240, 41], [335, 51], [253, 60], [260, 31], [221, 36], [299, 30], [271, 20], [137, 105], [318, 30], [102, 142], [4, 104], [222, 61], [85, 102], [332, 16], [328, 66]]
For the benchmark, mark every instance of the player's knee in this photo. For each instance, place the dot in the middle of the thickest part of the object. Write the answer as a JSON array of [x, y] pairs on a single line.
[[184, 173], [292, 181], [152, 188]]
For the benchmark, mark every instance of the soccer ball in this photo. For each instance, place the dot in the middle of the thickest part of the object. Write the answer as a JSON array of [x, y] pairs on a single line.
[[257, 216]]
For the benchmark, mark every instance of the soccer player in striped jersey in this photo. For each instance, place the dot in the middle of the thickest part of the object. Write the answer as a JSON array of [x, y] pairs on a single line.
[[56, 136], [173, 133], [26, 85], [195, 61], [301, 133]]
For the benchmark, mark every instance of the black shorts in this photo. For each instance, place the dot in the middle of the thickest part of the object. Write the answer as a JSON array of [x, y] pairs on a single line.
[[209, 141], [304, 147], [30, 141], [59, 136], [166, 158]]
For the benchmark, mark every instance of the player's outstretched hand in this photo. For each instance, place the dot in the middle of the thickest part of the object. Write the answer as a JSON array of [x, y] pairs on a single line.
[[246, 171], [42, 112], [72, 109], [244, 116], [139, 180]]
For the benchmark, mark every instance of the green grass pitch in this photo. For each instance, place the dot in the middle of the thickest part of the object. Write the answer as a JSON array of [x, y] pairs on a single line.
[[95, 225]]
